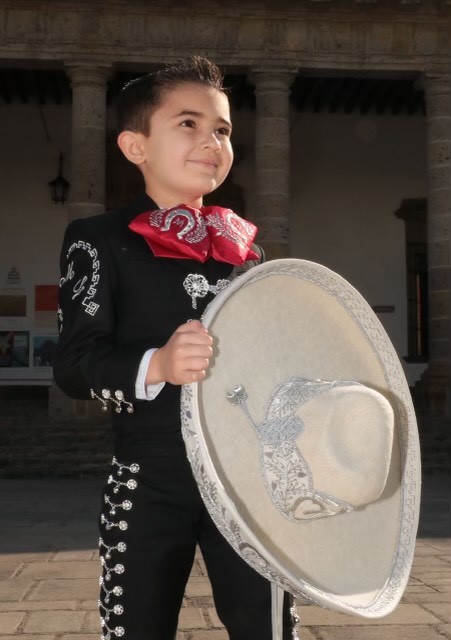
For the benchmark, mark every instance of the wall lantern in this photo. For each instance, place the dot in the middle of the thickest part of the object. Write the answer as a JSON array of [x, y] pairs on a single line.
[[59, 187]]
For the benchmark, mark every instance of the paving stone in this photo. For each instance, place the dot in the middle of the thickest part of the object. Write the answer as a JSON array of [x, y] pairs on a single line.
[[198, 587], [74, 636], [26, 636], [215, 621], [404, 632], [425, 598], [443, 588], [200, 560], [13, 590], [66, 590], [191, 619], [218, 634], [418, 588], [197, 569], [28, 605], [403, 614], [91, 622], [431, 577], [24, 556], [305, 633], [9, 622], [8, 569], [442, 544], [424, 548], [436, 563], [440, 609], [445, 630], [71, 555], [49, 570], [54, 621]]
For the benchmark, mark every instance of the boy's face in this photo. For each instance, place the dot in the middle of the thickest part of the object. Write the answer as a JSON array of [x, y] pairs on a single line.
[[188, 152]]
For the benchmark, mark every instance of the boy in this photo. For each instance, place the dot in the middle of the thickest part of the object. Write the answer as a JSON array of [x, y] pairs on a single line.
[[130, 336]]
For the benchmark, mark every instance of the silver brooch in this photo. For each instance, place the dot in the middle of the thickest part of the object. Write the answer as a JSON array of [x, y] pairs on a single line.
[[196, 285]]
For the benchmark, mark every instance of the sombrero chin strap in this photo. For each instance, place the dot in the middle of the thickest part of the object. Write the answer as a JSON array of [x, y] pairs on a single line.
[[277, 612]]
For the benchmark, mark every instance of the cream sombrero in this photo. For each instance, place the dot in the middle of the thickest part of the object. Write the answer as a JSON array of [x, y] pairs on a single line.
[[303, 438]]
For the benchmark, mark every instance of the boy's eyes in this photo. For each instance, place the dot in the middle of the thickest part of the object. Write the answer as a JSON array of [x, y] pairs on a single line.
[[223, 131]]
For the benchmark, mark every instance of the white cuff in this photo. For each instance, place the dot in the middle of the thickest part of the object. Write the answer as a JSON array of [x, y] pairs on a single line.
[[149, 391]]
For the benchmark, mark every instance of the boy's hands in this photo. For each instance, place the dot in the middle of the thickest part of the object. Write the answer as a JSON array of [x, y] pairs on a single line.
[[184, 358]]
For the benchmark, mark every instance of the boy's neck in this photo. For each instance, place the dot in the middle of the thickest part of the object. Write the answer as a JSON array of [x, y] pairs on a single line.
[[167, 202]]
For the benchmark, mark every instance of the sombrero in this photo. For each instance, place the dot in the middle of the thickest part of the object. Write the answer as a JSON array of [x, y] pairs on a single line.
[[303, 438]]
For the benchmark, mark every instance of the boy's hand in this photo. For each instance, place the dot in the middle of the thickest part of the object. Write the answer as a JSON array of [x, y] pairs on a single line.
[[184, 358]]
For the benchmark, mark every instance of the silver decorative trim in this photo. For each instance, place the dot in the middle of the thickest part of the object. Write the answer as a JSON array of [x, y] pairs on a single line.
[[108, 560], [197, 286], [90, 306], [117, 399], [295, 621]]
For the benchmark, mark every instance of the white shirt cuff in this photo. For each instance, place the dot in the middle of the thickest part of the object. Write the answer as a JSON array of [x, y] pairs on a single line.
[[149, 391]]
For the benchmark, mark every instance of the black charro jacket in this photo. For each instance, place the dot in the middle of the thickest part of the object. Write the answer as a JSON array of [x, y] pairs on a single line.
[[116, 301]]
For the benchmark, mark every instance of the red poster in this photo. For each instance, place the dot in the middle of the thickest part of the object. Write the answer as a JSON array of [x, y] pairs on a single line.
[[46, 297]]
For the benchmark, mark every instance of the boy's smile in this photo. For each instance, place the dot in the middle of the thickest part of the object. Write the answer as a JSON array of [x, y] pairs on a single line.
[[188, 152]]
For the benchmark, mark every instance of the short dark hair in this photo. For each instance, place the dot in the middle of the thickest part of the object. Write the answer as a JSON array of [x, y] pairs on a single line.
[[139, 98]]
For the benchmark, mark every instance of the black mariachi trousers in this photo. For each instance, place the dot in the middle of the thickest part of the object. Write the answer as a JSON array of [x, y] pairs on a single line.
[[152, 517]]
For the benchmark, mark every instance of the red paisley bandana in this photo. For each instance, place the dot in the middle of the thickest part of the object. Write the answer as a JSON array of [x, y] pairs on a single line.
[[198, 234]]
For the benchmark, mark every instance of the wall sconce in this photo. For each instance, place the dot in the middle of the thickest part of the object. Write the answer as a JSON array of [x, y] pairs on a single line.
[[59, 187]]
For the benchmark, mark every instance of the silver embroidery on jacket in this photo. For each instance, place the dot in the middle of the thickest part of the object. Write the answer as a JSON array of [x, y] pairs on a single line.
[[83, 285], [197, 286], [286, 474]]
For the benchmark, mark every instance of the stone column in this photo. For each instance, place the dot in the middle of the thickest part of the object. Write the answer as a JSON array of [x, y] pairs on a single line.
[[272, 158], [437, 376], [87, 189], [87, 186]]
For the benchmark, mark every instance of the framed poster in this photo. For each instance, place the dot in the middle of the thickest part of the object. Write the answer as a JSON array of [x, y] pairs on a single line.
[[45, 305], [14, 349], [44, 348]]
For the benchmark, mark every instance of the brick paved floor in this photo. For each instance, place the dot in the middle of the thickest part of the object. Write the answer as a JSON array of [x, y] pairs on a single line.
[[49, 568]]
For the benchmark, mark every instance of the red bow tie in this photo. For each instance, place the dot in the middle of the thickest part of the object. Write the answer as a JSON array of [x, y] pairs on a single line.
[[198, 234]]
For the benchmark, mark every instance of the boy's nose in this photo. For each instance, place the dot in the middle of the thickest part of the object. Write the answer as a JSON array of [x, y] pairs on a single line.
[[213, 142]]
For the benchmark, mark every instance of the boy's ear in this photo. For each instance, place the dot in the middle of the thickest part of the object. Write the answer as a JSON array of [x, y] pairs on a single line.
[[131, 145]]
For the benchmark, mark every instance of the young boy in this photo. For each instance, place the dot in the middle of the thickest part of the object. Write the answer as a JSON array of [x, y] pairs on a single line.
[[130, 336]]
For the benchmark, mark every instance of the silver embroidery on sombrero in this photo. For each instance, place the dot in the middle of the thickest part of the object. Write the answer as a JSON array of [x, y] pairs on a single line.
[[113, 556], [286, 474], [197, 286]]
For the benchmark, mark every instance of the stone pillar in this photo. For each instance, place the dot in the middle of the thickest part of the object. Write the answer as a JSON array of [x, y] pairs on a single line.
[[87, 187], [87, 190], [437, 377], [272, 158]]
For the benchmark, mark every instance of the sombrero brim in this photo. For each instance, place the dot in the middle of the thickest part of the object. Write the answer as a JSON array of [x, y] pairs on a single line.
[[293, 318]]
